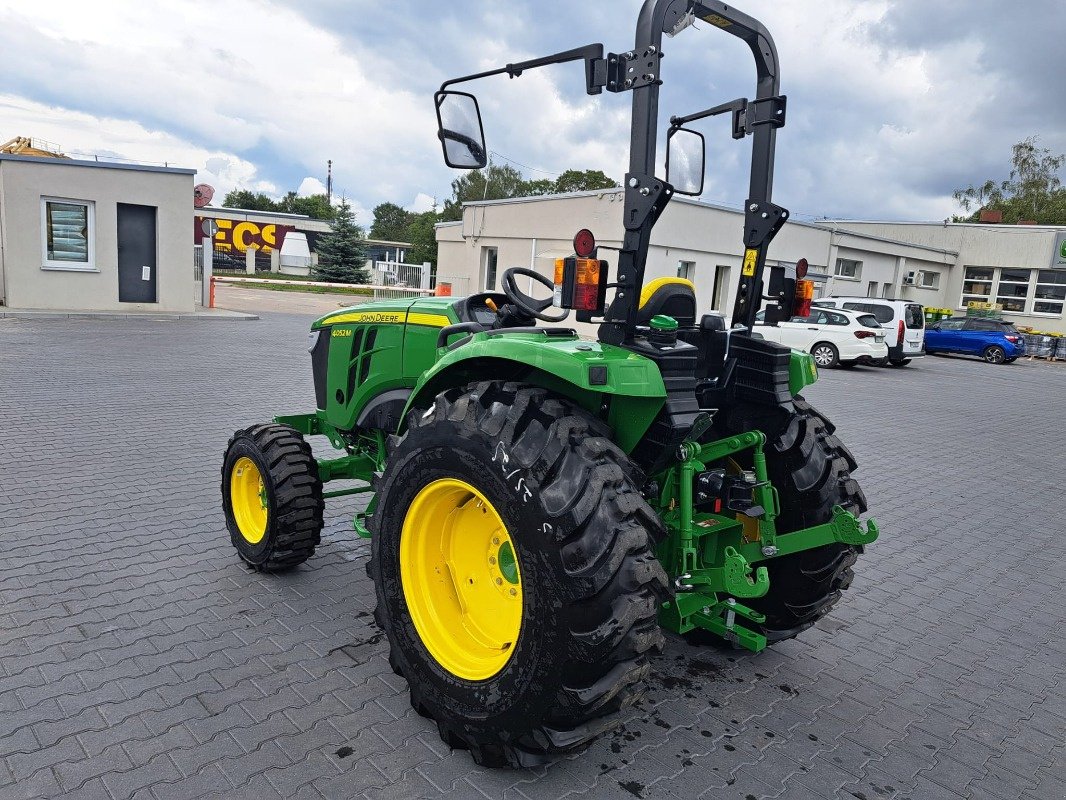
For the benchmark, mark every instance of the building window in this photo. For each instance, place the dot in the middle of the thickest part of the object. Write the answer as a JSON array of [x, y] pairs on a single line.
[[1050, 291], [976, 285], [686, 270], [846, 268], [871, 289], [1013, 289], [489, 256], [929, 280], [67, 234]]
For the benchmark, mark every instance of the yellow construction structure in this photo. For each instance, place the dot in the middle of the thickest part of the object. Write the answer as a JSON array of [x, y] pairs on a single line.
[[25, 146]]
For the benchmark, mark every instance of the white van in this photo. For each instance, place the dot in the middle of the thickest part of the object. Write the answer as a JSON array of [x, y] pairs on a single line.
[[903, 320]]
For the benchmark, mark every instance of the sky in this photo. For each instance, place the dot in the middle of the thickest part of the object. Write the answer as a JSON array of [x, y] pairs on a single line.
[[892, 104]]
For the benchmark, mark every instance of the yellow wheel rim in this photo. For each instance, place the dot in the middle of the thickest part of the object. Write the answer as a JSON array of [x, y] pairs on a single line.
[[248, 498], [461, 580]]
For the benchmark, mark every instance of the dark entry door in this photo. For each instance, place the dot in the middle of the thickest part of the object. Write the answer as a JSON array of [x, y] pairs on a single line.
[[136, 253]]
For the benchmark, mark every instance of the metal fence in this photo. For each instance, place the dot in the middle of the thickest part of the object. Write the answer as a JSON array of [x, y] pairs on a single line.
[[388, 279]]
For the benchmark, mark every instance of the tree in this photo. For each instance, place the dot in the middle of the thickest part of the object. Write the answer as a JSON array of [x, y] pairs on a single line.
[[1033, 191], [582, 181], [497, 183], [341, 252], [423, 237], [492, 183], [315, 206], [253, 201], [390, 223]]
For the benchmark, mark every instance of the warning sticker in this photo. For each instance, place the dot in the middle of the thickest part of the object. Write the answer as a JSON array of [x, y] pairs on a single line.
[[750, 257], [714, 19]]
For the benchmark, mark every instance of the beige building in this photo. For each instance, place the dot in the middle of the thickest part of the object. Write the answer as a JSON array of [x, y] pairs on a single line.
[[935, 265], [1021, 268], [89, 236]]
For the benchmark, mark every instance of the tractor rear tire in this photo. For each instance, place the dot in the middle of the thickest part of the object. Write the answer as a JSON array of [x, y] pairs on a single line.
[[811, 470], [504, 461], [272, 497]]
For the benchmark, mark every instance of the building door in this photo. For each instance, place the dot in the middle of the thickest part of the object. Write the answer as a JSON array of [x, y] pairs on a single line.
[[136, 253], [721, 289]]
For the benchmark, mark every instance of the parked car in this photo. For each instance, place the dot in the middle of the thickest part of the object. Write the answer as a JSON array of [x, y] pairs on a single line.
[[903, 321], [832, 337], [995, 341]]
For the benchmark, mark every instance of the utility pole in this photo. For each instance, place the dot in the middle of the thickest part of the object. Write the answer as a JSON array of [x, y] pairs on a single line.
[[329, 182]]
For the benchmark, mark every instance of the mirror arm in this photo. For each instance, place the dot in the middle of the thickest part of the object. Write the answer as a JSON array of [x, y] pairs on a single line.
[[732, 105], [745, 114], [591, 54]]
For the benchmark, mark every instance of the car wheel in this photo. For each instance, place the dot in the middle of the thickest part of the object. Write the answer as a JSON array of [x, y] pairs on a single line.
[[899, 362], [825, 355], [994, 354]]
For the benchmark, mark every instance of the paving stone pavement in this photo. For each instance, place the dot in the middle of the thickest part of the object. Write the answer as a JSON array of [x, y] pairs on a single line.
[[140, 659]]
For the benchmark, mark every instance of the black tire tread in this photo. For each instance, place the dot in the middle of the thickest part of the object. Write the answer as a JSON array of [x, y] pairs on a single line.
[[296, 494], [811, 469], [615, 582]]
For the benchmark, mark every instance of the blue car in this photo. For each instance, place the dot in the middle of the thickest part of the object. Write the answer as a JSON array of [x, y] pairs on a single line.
[[995, 341]]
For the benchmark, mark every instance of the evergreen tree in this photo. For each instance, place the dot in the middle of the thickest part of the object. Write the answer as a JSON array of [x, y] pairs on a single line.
[[341, 252]]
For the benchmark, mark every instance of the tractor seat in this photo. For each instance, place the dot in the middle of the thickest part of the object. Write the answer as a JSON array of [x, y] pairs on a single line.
[[674, 297]]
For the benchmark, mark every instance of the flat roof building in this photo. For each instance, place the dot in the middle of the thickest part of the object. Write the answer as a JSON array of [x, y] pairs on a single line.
[[1023, 268], [91, 236]]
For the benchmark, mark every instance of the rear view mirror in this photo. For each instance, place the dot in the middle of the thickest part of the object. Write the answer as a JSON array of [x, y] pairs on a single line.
[[460, 131], [685, 153]]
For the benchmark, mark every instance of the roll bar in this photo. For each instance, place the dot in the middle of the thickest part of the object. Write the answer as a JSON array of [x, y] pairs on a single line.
[[647, 196]]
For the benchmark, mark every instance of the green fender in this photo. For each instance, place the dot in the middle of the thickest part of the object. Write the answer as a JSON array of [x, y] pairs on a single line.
[[591, 374]]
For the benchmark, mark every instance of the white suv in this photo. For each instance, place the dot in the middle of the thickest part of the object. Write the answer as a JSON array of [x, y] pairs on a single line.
[[832, 337], [903, 321]]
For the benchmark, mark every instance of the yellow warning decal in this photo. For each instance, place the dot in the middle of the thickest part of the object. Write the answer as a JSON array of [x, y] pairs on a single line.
[[432, 320], [750, 257], [714, 19]]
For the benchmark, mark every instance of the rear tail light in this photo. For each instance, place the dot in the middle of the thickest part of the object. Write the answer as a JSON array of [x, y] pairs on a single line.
[[864, 334], [580, 284], [902, 330], [1013, 338], [804, 296]]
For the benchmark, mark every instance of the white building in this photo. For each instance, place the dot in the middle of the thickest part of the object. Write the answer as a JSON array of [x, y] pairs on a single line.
[[935, 265], [89, 236]]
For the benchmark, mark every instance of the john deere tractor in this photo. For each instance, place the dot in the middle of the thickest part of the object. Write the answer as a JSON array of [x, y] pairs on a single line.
[[542, 506]]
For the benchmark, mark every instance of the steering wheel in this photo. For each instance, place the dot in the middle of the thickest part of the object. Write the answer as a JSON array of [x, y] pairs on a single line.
[[535, 308]]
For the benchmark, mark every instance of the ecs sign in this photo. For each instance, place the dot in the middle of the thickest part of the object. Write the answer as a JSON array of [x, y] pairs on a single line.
[[239, 235]]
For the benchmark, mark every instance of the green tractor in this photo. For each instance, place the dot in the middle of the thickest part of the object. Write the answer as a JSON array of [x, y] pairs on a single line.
[[542, 506]]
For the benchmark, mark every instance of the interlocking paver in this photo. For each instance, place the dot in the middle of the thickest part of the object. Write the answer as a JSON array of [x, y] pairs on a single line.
[[139, 658]]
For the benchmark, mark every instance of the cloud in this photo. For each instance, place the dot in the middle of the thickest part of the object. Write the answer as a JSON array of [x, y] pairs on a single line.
[[421, 203], [892, 103], [310, 186], [86, 136]]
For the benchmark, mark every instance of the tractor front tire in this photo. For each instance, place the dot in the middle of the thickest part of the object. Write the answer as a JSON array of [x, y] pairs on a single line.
[[811, 470], [515, 574], [272, 497]]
